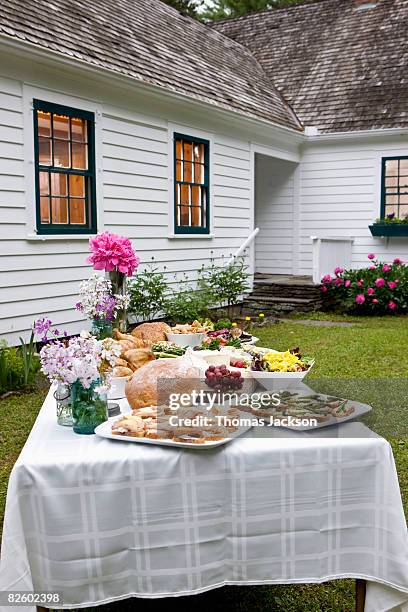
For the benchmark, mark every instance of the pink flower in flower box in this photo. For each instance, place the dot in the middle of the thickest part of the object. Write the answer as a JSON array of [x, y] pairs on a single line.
[[386, 268], [397, 260], [372, 268], [379, 282], [347, 283], [327, 278], [374, 301], [360, 298], [370, 291], [392, 305], [371, 255], [391, 284], [338, 271]]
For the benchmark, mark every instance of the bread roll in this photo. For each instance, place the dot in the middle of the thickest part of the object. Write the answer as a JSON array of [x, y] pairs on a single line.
[[120, 371], [150, 333]]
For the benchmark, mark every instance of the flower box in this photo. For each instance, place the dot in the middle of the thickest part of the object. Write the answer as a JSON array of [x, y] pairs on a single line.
[[389, 229]]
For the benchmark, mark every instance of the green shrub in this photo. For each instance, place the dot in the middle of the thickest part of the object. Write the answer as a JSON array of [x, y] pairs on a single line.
[[379, 289], [12, 372], [147, 292], [225, 284], [187, 305]]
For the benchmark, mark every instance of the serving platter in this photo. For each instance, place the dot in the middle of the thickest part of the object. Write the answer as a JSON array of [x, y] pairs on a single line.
[[105, 431], [303, 391]]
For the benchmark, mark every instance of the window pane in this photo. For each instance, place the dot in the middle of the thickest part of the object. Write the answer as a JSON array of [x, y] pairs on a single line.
[[184, 218], [196, 216], [188, 151], [179, 150], [77, 211], [78, 129], [59, 185], [403, 166], [44, 183], [198, 173], [188, 172], [45, 210], [391, 167], [196, 195], [199, 152], [403, 213], [391, 182], [79, 156], [61, 154], [61, 127], [184, 194], [403, 199], [403, 181], [391, 199], [44, 151], [178, 171], [204, 206], [59, 210], [76, 185], [44, 124]]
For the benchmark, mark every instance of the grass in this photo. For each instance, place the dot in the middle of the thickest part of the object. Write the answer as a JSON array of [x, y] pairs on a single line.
[[367, 360]]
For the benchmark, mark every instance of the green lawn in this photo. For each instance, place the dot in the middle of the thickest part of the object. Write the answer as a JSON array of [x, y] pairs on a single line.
[[346, 357]]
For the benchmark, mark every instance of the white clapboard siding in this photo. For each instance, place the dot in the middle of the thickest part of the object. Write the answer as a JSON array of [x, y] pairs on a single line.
[[340, 196], [274, 191], [40, 278]]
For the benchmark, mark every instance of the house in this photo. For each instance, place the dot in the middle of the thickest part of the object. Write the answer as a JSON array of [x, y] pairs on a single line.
[[130, 117]]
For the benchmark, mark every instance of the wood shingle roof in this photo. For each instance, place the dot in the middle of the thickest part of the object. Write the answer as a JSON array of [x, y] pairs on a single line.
[[339, 67], [154, 44]]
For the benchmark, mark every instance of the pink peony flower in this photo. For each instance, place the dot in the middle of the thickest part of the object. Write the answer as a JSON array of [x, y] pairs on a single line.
[[360, 298], [323, 288], [370, 291], [392, 284], [397, 260], [391, 305], [359, 283], [372, 268], [347, 283], [327, 278], [338, 271], [386, 268], [371, 255], [379, 282], [112, 252], [338, 281], [374, 301]]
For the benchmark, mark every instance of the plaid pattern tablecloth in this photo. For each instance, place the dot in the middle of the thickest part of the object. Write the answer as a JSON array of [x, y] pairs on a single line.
[[99, 520]]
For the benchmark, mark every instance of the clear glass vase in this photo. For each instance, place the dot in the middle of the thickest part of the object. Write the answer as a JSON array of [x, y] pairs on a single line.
[[118, 281], [101, 329], [89, 407], [62, 396]]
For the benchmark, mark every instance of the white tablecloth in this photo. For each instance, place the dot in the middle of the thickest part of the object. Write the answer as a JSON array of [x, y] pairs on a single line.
[[101, 520]]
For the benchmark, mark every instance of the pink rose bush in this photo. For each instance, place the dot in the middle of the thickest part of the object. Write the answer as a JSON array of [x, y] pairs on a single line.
[[381, 288], [112, 252]]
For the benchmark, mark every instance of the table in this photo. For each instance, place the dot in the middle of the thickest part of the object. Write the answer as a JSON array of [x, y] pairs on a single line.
[[100, 520]]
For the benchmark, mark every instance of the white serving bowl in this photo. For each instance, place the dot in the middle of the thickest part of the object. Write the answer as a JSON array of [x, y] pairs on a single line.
[[275, 381], [186, 340], [117, 387], [214, 357]]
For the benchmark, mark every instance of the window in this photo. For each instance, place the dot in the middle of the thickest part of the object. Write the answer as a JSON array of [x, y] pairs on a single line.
[[64, 169], [394, 189], [191, 185]]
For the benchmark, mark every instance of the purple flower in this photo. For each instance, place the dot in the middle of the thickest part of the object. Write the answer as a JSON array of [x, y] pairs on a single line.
[[41, 326], [390, 216]]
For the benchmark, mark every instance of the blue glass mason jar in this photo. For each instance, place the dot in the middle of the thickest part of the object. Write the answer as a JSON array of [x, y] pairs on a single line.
[[101, 329], [89, 406]]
